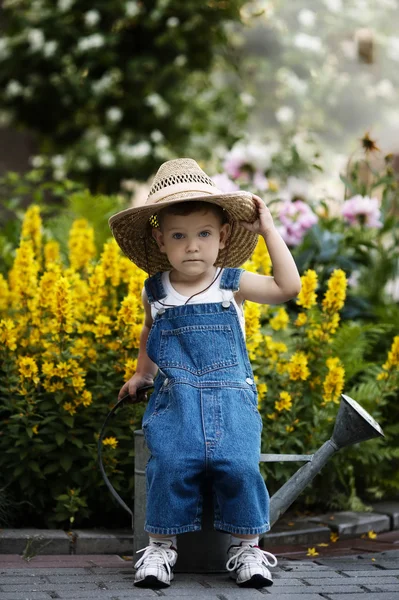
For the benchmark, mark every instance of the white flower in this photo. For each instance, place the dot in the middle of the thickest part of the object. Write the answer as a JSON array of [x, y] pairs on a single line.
[[349, 49], [308, 42], [5, 118], [103, 142], [92, 41], [4, 48], [292, 81], [36, 39], [49, 48], [37, 161], [247, 99], [14, 88], [101, 85], [295, 189], [307, 17], [334, 5], [58, 161], [92, 17], [173, 22], [156, 136], [132, 9], [64, 5], [180, 60], [82, 164], [59, 174], [161, 108], [385, 89], [393, 48], [114, 114], [135, 151], [285, 114], [106, 159]]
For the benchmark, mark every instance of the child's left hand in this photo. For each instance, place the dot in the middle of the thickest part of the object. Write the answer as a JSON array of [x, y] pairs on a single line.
[[264, 223]]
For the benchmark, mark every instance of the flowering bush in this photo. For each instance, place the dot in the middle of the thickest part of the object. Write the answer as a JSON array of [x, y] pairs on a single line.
[[98, 84], [302, 363], [69, 337]]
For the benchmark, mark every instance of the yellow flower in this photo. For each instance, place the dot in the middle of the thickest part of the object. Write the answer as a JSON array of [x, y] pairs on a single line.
[[62, 306], [4, 293], [312, 552], [51, 253], [130, 368], [31, 229], [298, 367], [87, 398], [110, 441], [301, 320], [23, 275], [334, 381], [307, 296], [272, 416], [393, 356], [35, 429], [129, 311], [280, 320], [334, 537], [289, 428], [285, 402], [81, 244], [78, 383], [63, 370], [371, 534], [110, 262], [8, 334], [262, 390], [252, 326], [69, 407], [334, 298], [28, 368], [102, 326]]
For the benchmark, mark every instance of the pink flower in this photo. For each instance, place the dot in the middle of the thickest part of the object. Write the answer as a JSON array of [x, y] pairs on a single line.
[[362, 210], [224, 183], [295, 218]]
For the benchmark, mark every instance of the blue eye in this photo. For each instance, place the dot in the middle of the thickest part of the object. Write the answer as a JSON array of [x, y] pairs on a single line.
[[205, 234], [177, 236]]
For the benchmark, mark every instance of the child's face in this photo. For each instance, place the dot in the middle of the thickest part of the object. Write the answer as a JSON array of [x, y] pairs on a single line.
[[192, 242]]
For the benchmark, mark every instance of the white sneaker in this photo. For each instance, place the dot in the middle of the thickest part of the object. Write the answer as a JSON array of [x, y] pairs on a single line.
[[248, 565], [155, 568]]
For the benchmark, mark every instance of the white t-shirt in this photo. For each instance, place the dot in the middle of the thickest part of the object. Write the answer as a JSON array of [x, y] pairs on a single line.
[[212, 294]]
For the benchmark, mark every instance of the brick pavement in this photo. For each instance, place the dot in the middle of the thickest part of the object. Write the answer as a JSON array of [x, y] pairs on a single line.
[[369, 575]]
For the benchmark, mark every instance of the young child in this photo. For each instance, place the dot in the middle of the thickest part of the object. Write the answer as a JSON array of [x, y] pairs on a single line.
[[202, 418]]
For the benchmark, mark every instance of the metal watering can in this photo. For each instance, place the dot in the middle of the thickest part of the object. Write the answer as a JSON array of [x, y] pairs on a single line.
[[205, 551]]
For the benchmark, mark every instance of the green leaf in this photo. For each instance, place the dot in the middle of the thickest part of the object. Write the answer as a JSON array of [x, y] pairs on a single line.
[[66, 462], [60, 438]]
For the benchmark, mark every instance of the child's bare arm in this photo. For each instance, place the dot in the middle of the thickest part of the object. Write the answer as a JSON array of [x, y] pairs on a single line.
[[146, 369], [285, 283]]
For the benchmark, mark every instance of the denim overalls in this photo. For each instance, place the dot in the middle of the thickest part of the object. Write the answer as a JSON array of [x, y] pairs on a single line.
[[202, 419]]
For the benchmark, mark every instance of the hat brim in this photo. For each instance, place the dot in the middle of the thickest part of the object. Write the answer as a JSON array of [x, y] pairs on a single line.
[[132, 230]]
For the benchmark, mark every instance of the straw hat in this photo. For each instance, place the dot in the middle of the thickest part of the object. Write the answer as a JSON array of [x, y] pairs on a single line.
[[177, 181]]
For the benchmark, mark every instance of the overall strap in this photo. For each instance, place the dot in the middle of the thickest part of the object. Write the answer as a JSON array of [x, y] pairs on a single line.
[[154, 288], [230, 279]]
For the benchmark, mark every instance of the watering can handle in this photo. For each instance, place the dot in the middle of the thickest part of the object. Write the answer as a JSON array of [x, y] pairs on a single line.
[[121, 402]]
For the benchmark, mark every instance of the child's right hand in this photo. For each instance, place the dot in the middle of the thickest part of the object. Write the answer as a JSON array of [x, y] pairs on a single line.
[[132, 385]]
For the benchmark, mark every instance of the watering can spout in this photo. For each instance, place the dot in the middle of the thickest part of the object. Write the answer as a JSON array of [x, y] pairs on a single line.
[[353, 425]]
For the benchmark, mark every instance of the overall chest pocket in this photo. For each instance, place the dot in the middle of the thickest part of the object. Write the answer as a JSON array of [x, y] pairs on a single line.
[[198, 348]]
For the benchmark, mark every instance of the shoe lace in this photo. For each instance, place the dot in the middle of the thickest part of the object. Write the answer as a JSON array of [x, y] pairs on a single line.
[[251, 554], [160, 556]]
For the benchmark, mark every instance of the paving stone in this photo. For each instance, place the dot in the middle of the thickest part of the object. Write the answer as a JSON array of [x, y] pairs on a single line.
[[388, 508], [349, 523], [106, 595], [364, 596], [297, 531], [384, 587], [36, 541], [25, 596], [95, 541], [43, 587], [372, 572]]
